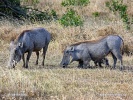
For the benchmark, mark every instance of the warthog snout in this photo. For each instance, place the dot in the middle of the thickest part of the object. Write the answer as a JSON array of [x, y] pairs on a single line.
[[12, 64], [64, 65]]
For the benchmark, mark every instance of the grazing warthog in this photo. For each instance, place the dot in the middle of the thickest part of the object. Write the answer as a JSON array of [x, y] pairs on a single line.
[[27, 42], [83, 52]]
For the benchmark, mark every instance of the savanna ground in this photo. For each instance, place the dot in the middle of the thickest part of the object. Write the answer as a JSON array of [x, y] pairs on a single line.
[[52, 82]]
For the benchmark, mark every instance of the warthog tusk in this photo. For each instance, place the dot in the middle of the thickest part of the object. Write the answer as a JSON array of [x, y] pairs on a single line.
[[14, 62]]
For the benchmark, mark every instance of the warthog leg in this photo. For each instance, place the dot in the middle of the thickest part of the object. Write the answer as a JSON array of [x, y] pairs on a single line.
[[23, 58], [86, 59], [37, 54], [86, 62], [98, 63], [117, 55], [115, 60], [121, 64], [95, 63], [44, 53], [80, 65], [28, 58]]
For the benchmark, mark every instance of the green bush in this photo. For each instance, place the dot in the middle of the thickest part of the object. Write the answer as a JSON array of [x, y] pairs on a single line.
[[75, 2], [71, 18], [118, 6]]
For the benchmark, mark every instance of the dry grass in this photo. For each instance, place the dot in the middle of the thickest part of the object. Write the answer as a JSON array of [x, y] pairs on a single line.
[[64, 84], [52, 82]]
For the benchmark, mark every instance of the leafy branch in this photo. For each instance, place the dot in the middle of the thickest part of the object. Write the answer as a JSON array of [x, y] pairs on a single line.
[[118, 6]]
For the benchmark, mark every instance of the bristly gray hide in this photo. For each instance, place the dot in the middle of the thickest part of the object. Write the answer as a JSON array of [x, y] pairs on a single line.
[[84, 52], [27, 42]]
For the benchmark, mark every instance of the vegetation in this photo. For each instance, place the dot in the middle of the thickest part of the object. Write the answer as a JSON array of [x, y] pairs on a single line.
[[71, 18], [118, 6], [13, 9], [52, 82]]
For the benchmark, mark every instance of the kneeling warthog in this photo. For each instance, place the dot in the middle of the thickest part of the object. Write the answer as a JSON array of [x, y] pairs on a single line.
[[27, 42], [84, 52]]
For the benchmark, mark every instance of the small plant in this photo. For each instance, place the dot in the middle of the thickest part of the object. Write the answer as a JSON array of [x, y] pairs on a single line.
[[118, 6], [96, 14], [75, 2], [71, 18]]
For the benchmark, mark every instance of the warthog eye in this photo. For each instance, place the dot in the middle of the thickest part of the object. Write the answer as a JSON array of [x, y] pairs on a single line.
[[67, 53]]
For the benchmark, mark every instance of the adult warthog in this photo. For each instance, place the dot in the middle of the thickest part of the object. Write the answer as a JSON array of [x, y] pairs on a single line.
[[27, 42], [84, 52]]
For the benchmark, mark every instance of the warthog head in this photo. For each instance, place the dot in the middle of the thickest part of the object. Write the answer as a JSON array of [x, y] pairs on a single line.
[[66, 57], [15, 54]]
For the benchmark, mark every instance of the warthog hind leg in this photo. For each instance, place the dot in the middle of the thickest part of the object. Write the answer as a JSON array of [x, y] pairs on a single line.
[[44, 53]]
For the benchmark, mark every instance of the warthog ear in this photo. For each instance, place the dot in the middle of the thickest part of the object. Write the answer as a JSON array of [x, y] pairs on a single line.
[[20, 45], [72, 49]]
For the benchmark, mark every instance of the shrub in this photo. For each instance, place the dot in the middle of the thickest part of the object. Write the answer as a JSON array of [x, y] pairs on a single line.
[[71, 18], [118, 6]]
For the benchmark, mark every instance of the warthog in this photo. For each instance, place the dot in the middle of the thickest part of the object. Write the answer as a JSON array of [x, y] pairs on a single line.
[[27, 42], [84, 52]]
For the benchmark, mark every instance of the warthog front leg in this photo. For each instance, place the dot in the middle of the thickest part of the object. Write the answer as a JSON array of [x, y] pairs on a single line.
[[23, 58], [37, 54], [86, 59], [28, 58], [85, 65], [80, 65], [86, 62]]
